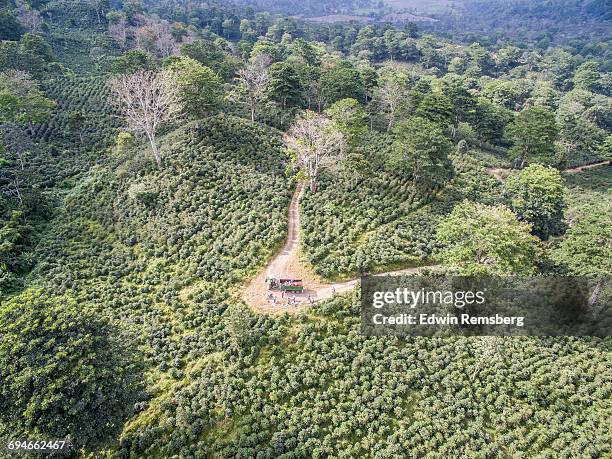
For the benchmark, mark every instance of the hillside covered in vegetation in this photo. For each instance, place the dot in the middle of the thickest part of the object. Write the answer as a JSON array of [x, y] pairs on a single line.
[[149, 151]]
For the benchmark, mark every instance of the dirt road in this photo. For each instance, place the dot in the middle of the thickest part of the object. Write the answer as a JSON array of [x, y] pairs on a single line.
[[287, 264]]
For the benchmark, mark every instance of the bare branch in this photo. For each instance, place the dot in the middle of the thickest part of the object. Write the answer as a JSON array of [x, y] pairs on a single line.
[[145, 100], [316, 142]]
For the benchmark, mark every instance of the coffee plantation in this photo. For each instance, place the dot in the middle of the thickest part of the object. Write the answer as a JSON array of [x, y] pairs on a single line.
[[139, 215]]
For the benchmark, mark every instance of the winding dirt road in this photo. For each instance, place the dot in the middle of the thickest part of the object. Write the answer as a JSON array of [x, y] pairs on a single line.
[[287, 264]]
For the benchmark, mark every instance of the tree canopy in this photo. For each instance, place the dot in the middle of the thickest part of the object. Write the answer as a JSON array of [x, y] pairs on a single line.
[[481, 239], [66, 373]]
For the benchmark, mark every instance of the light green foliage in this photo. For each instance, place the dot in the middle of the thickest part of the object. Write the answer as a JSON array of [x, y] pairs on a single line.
[[314, 386], [164, 253], [586, 248], [21, 100], [537, 195], [480, 239], [199, 88], [533, 134], [369, 219], [587, 76], [583, 119], [124, 141], [350, 117], [66, 372], [509, 94], [583, 249]]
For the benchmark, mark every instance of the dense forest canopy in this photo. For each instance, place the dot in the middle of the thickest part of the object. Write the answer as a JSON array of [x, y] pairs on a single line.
[[149, 151]]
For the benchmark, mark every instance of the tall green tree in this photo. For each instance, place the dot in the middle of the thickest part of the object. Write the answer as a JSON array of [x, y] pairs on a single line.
[[586, 249], [341, 80], [350, 117], [537, 195], [420, 152], [587, 76], [199, 89], [437, 108], [533, 134], [285, 86], [132, 61], [490, 120], [480, 239], [21, 100], [462, 102]]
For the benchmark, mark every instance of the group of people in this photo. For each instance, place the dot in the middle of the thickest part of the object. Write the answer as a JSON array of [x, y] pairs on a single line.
[[291, 300]]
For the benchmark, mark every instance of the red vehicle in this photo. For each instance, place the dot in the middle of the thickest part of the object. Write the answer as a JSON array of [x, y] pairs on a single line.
[[287, 285]]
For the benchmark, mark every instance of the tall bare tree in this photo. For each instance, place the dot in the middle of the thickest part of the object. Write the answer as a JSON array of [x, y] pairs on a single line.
[[145, 100], [252, 83], [118, 30], [30, 18], [393, 96], [316, 142]]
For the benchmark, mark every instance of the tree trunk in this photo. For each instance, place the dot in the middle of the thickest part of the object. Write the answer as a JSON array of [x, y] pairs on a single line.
[[313, 184], [253, 113], [154, 150]]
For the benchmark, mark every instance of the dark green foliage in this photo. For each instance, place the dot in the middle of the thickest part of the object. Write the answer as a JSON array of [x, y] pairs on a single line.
[[66, 373], [490, 121], [533, 134], [86, 98], [133, 60], [340, 80], [10, 29], [32, 54], [285, 86], [537, 195], [420, 153], [437, 108], [210, 54]]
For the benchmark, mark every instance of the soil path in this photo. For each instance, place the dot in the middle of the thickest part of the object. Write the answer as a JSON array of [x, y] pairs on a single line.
[[498, 172], [287, 264]]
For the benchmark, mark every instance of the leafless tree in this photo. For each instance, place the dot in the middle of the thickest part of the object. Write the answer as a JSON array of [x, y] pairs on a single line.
[[316, 91], [145, 100], [30, 18], [252, 82], [392, 96], [145, 38], [316, 142], [166, 45], [100, 7], [119, 31]]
